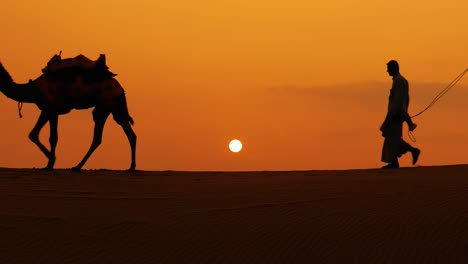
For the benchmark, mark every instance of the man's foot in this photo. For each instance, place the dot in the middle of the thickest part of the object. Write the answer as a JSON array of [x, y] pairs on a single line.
[[393, 165], [412, 126], [415, 153]]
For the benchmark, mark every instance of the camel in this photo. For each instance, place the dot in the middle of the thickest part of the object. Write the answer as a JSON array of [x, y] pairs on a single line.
[[68, 90]]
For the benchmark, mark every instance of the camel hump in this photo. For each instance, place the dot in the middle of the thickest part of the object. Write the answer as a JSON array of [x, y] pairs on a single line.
[[80, 63]]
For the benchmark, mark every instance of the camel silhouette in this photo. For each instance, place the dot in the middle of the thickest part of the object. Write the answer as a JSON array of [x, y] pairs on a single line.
[[70, 88]]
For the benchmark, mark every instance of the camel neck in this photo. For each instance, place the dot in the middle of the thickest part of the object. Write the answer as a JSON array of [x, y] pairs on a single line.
[[24, 93]]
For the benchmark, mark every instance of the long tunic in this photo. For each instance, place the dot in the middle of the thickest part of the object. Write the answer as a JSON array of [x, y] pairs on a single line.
[[392, 127]]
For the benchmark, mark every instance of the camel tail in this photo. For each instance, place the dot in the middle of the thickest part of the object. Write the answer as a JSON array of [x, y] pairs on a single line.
[[120, 113], [125, 110]]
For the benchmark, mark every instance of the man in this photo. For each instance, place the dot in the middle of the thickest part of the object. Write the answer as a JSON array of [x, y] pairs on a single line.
[[392, 128]]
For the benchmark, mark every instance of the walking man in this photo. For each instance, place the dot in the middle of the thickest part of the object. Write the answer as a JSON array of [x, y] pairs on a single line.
[[392, 128]]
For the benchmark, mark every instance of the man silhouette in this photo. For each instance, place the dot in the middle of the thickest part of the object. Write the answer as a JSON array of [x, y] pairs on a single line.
[[392, 128]]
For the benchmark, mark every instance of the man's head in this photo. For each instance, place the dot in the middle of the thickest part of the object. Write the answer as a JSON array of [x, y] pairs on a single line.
[[393, 67]]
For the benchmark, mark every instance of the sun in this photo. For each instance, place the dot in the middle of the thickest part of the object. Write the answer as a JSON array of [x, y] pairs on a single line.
[[235, 145]]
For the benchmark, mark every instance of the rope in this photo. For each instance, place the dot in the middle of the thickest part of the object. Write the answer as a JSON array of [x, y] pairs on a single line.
[[443, 92], [411, 136], [20, 106], [437, 98]]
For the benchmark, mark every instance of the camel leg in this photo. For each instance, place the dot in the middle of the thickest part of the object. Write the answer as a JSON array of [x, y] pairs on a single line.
[[132, 138], [53, 122], [99, 118], [34, 134]]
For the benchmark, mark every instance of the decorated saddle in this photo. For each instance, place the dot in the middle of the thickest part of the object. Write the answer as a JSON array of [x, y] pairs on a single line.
[[58, 68]]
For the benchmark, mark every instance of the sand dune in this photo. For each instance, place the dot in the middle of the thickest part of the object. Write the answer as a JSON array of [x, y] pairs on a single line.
[[411, 215]]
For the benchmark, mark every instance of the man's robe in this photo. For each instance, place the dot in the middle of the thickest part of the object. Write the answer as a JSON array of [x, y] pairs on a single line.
[[392, 127]]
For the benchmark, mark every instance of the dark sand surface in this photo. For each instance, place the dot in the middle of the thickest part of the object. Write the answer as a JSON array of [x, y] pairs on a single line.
[[411, 215]]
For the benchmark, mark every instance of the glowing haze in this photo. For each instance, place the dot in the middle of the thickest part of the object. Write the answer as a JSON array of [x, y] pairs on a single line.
[[304, 83]]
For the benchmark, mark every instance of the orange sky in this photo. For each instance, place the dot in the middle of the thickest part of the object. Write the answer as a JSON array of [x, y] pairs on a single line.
[[302, 84]]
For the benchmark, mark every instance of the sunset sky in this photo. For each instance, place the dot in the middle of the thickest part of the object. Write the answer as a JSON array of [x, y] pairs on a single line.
[[302, 84]]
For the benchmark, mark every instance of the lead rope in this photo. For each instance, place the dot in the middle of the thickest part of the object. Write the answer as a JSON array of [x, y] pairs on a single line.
[[20, 106], [437, 98], [411, 136]]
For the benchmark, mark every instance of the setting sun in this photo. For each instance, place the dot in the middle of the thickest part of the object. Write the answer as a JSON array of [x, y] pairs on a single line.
[[235, 145]]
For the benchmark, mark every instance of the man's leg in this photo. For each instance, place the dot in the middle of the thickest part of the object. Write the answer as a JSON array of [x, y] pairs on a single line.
[[389, 153], [405, 147]]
